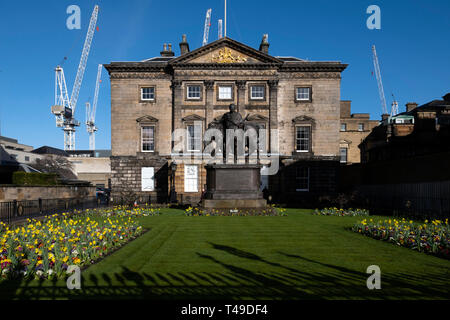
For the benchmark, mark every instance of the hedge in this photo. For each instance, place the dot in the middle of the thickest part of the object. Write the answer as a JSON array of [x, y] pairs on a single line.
[[34, 178]]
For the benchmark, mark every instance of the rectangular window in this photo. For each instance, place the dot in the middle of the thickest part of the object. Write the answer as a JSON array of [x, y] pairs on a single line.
[[148, 93], [27, 158], [194, 92], [257, 92], [225, 92], [360, 126], [303, 94], [343, 154], [148, 179], [302, 138], [343, 127], [194, 138], [190, 178], [302, 179], [148, 138]]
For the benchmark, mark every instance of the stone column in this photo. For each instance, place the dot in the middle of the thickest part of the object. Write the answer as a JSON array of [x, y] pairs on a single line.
[[209, 98], [273, 110], [177, 101], [241, 96]]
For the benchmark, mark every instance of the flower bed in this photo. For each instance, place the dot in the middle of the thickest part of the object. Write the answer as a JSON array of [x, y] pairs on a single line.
[[268, 211], [429, 237], [341, 212], [45, 249], [122, 211]]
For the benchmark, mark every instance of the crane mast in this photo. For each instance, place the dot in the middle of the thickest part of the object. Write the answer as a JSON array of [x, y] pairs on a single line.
[[64, 108], [394, 106], [376, 66], [219, 27], [207, 25], [90, 112]]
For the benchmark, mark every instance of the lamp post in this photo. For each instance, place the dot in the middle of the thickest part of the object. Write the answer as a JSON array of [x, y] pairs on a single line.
[[173, 193]]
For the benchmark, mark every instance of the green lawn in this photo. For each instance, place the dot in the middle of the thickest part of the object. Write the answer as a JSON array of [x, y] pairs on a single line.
[[300, 256]]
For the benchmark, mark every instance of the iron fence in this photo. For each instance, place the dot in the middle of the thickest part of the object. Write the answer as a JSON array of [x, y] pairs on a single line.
[[418, 200], [20, 210]]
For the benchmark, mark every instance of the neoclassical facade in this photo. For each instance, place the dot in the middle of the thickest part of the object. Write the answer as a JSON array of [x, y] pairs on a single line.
[[151, 99]]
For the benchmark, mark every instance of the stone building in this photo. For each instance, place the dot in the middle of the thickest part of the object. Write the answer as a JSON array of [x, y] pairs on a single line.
[[92, 165], [354, 129], [150, 99], [419, 131]]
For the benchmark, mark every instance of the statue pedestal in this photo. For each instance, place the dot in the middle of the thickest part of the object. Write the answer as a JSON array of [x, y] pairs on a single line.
[[233, 186]]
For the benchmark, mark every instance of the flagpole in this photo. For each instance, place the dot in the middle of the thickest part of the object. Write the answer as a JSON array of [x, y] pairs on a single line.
[[225, 29]]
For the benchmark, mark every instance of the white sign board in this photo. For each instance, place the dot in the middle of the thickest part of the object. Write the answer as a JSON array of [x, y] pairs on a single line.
[[148, 178], [190, 178]]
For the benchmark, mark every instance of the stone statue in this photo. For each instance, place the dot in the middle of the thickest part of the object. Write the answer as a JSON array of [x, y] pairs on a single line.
[[232, 120]]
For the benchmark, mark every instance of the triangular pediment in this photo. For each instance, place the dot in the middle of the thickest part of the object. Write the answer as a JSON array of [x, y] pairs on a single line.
[[146, 119], [225, 51]]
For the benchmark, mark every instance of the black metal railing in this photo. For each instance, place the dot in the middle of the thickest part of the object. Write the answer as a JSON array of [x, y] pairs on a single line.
[[14, 211]]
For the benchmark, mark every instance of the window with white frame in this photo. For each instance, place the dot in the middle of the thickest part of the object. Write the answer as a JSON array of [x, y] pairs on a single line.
[[194, 92], [194, 137], [148, 93], [343, 127], [343, 155], [148, 178], [257, 92], [190, 178], [360, 126], [303, 94], [302, 138], [148, 138], [225, 92], [302, 179]]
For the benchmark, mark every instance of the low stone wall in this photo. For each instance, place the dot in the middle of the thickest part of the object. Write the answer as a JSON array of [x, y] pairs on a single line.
[[19, 193]]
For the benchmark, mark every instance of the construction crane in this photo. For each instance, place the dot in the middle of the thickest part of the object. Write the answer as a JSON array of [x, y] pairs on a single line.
[[219, 28], [376, 65], [207, 25], [394, 106], [90, 111], [64, 108]]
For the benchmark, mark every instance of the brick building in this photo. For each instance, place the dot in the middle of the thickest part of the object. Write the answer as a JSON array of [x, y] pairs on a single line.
[[354, 129], [152, 98]]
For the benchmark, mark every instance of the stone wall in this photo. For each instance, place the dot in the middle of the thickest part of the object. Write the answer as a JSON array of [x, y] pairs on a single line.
[[127, 107], [19, 193], [126, 176]]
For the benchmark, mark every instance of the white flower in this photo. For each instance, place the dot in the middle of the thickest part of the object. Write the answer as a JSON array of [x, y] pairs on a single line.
[[39, 273], [75, 252], [50, 271]]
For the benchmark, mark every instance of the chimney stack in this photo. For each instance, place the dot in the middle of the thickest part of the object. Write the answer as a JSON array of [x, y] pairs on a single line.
[[384, 116], [167, 52], [184, 45], [264, 46], [410, 106]]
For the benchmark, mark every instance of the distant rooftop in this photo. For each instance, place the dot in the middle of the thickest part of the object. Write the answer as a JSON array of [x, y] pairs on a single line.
[[99, 153], [50, 150], [2, 138]]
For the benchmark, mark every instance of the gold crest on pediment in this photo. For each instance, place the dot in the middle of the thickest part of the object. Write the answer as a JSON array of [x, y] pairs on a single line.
[[226, 56]]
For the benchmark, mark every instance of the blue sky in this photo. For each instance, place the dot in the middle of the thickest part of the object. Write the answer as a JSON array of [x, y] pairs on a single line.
[[413, 47]]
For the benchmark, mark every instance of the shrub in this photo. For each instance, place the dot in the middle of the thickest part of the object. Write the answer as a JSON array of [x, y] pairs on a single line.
[[34, 178], [341, 212]]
